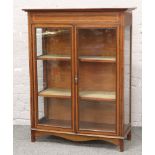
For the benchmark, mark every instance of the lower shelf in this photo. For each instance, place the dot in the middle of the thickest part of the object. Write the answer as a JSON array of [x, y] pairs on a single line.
[[97, 126], [83, 125], [55, 123]]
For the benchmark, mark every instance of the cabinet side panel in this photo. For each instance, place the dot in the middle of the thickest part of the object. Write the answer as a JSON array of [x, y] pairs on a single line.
[[127, 76]]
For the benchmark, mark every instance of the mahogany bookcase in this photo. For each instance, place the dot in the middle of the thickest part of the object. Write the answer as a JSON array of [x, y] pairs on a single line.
[[80, 73]]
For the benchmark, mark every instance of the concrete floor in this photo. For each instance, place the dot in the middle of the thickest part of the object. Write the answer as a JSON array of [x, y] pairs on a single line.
[[57, 146]]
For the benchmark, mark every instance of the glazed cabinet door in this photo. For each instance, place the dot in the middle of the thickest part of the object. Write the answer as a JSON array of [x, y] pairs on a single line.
[[53, 76], [97, 49]]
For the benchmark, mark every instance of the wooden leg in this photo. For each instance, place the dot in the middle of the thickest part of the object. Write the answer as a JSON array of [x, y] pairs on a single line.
[[129, 136], [33, 137], [121, 145]]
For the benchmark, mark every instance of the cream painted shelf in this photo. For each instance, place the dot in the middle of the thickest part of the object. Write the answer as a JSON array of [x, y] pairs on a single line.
[[53, 92], [87, 95], [54, 57], [97, 126], [97, 59], [98, 95], [56, 123]]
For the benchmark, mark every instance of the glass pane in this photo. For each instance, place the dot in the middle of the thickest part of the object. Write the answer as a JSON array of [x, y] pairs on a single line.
[[97, 115], [127, 77], [55, 112], [97, 79], [53, 47], [97, 43], [53, 41]]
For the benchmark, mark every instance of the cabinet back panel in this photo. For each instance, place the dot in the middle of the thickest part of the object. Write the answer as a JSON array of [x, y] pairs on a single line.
[[59, 109], [60, 43], [97, 42], [97, 76], [98, 112], [59, 74], [53, 41]]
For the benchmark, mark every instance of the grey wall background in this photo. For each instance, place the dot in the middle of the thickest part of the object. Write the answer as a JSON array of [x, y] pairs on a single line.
[[20, 67]]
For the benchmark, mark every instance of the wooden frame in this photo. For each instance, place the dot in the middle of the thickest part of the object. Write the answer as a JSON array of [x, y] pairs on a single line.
[[100, 26], [37, 125], [74, 19]]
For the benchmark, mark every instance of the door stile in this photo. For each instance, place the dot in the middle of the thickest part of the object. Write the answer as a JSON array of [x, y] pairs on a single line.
[[118, 81], [73, 94], [30, 38], [76, 76], [35, 77]]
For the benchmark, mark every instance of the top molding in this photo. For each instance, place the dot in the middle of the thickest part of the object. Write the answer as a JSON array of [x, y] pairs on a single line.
[[80, 10]]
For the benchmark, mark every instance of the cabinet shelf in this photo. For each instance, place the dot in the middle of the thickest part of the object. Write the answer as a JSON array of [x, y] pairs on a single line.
[[56, 123], [97, 59], [97, 126], [98, 95], [54, 57], [85, 95], [54, 92], [84, 125], [81, 58]]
